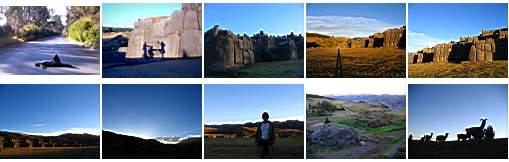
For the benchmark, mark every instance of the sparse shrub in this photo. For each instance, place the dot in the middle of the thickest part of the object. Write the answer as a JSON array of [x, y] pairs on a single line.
[[489, 133], [84, 30]]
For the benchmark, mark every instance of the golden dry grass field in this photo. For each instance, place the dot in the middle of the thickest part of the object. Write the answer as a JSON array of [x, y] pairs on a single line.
[[467, 69], [357, 62]]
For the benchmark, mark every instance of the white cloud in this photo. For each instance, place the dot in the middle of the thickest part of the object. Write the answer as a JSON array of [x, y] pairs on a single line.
[[38, 125], [175, 139], [418, 41], [346, 26], [57, 133]]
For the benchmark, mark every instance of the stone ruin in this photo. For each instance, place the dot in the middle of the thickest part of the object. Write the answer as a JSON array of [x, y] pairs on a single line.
[[180, 32], [226, 51], [488, 46], [395, 37]]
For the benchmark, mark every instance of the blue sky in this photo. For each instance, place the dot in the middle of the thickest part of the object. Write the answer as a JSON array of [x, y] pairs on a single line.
[[241, 103], [272, 18], [452, 108], [149, 111], [50, 110], [431, 23], [354, 19], [125, 14]]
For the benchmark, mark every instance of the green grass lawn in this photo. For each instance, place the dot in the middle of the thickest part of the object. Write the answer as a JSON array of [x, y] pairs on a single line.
[[275, 69], [245, 148]]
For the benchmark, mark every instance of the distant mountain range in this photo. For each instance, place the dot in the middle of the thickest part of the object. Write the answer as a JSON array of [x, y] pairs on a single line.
[[289, 124], [393, 101], [123, 146], [62, 140]]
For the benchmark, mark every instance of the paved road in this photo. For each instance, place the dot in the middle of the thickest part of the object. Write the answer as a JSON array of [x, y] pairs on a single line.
[[20, 59]]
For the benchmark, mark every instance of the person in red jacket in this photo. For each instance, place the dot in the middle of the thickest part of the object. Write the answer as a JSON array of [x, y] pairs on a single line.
[[265, 136]]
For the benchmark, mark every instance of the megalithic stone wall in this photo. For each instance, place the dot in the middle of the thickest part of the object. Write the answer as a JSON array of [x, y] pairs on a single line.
[[389, 38], [490, 45], [180, 32], [225, 51], [392, 37], [441, 52]]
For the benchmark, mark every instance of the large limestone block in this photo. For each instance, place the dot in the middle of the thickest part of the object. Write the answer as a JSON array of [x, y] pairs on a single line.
[[175, 23], [191, 6], [135, 44], [172, 46], [488, 56], [472, 54], [190, 45], [480, 55], [190, 20]]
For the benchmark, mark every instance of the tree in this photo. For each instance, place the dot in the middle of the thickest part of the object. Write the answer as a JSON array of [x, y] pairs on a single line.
[[489, 133], [326, 108], [74, 13], [19, 16]]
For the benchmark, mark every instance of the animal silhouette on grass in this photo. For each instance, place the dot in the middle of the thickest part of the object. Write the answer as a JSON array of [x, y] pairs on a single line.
[[442, 138], [427, 137], [477, 132]]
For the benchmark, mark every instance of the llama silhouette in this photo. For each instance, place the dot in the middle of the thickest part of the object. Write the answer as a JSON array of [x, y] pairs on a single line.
[[442, 138], [463, 137], [477, 132], [427, 137]]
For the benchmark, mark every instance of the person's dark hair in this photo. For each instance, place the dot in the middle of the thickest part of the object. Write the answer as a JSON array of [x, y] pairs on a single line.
[[265, 115]]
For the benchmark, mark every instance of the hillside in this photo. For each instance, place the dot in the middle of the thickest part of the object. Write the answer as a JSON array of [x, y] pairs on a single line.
[[122, 146], [61, 140], [393, 101]]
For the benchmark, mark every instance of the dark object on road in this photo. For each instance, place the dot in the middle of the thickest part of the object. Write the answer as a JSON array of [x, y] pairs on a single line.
[[53, 63]]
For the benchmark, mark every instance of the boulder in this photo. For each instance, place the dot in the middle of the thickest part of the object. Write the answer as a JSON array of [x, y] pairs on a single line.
[[334, 135]]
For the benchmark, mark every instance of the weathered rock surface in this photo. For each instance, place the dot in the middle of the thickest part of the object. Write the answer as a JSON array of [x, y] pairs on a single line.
[[334, 135], [389, 38], [180, 32], [488, 46], [226, 51]]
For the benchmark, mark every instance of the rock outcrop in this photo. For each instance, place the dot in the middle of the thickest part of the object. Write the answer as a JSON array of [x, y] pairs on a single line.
[[334, 135], [180, 33], [488, 46], [226, 51], [389, 38]]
